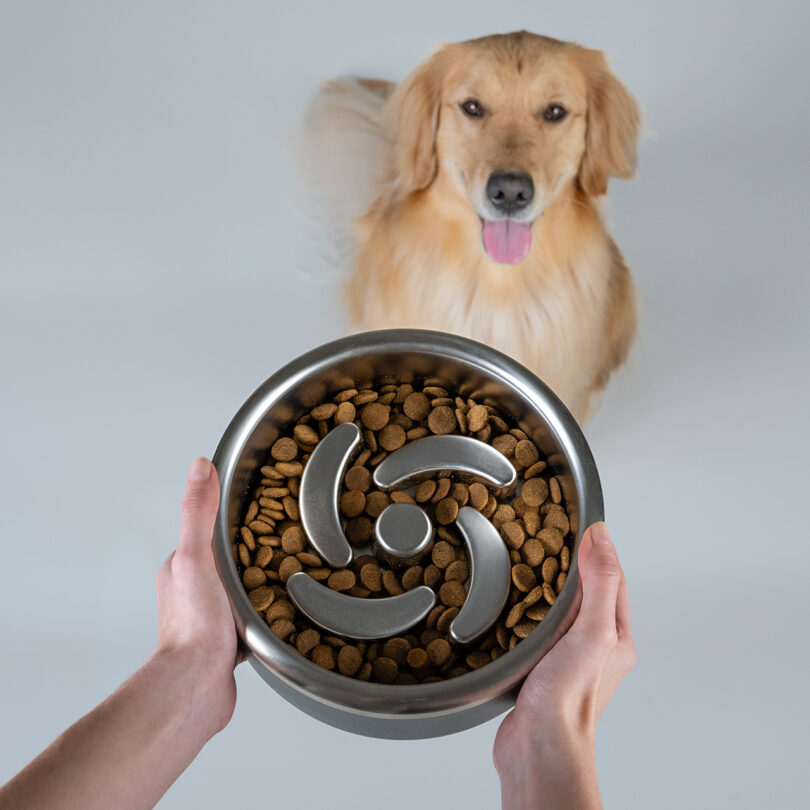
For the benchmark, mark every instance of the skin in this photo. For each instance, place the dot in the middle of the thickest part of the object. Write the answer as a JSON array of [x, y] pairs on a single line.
[[129, 750]]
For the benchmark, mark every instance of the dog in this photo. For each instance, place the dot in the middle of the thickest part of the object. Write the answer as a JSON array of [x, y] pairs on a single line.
[[467, 199]]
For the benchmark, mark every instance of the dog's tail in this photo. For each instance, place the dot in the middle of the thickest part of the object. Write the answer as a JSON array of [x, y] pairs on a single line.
[[342, 157]]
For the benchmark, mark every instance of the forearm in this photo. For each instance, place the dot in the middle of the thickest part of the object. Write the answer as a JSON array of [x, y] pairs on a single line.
[[129, 750], [553, 771]]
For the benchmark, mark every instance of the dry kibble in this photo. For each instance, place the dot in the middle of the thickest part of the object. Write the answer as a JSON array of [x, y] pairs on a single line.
[[479, 495], [345, 412], [288, 567], [457, 571], [271, 544], [307, 640], [253, 577], [391, 437], [293, 540], [453, 594], [523, 577], [526, 453], [261, 597], [352, 503], [359, 530], [371, 577], [416, 406], [284, 449], [534, 491], [349, 660], [282, 628], [442, 420], [477, 418], [550, 569], [513, 534], [552, 540], [439, 651], [425, 491], [341, 580], [442, 554], [324, 656], [374, 416]]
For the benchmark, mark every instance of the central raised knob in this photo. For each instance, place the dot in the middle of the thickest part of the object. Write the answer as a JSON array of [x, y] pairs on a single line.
[[402, 534]]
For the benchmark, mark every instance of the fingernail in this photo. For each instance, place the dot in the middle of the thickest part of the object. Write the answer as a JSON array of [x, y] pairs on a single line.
[[600, 534], [200, 470]]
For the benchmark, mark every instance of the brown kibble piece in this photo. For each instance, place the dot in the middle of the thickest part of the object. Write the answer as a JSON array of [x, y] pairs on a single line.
[[533, 552], [425, 491], [341, 580], [324, 656], [282, 628], [442, 554], [371, 577], [534, 492], [446, 619], [565, 558], [554, 490], [293, 540], [442, 420], [523, 577], [359, 530], [457, 571], [417, 658], [307, 640], [345, 412], [533, 596], [477, 659], [284, 449], [416, 406], [282, 609], [548, 593], [446, 510], [412, 577], [453, 594], [261, 598], [515, 614], [513, 534], [352, 503], [253, 577], [375, 503], [288, 567], [523, 628], [374, 416], [432, 575], [552, 540], [557, 520], [306, 434], [550, 569], [505, 443], [324, 411], [397, 649], [477, 418], [526, 453], [479, 495], [439, 651], [384, 670], [357, 478], [391, 583], [349, 660], [391, 437], [537, 612]]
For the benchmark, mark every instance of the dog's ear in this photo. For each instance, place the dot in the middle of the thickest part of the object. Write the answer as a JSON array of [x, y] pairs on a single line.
[[612, 127], [413, 119]]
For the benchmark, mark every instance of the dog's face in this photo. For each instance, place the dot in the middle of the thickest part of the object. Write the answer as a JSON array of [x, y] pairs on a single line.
[[513, 121]]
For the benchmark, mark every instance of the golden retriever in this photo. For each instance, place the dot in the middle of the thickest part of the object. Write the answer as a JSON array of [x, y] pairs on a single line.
[[473, 189]]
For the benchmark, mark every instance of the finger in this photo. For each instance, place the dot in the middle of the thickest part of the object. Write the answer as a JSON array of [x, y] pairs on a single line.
[[199, 508], [601, 575], [623, 613]]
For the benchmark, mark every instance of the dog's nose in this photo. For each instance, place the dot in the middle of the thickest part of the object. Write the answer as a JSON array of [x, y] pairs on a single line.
[[510, 192]]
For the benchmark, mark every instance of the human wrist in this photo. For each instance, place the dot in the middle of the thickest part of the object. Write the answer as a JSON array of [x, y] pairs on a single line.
[[548, 764]]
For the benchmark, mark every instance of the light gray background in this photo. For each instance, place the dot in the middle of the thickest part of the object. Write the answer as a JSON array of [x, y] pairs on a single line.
[[151, 280]]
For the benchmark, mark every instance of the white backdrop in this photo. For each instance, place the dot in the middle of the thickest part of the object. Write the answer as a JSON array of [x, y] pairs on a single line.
[[151, 279]]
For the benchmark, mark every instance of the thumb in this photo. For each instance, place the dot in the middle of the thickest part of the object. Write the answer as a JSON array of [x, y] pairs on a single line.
[[198, 509], [601, 575]]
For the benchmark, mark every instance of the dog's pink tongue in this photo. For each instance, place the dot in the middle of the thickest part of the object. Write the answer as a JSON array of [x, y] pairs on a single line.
[[507, 241]]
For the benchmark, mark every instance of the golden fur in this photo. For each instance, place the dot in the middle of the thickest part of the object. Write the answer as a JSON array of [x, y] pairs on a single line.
[[567, 310]]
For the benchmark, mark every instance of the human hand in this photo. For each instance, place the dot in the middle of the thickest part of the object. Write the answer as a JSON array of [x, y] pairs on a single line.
[[194, 617], [544, 748]]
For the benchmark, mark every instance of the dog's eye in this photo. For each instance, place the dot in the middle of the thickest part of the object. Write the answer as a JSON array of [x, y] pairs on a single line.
[[555, 112], [473, 108]]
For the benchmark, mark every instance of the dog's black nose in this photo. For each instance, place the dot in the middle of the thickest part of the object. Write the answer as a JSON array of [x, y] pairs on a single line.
[[510, 192]]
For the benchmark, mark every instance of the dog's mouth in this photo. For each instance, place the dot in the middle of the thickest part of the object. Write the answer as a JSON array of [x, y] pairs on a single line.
[[506, 241]]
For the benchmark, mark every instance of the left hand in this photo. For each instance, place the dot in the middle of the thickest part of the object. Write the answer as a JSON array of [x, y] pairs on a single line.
[[194, 616]]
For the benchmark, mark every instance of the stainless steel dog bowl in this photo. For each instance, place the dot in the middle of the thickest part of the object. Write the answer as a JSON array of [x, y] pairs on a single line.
[[379, 710]]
